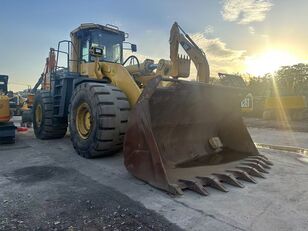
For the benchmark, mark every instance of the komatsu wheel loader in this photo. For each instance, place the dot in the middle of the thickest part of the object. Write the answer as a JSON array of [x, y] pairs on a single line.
[[175, 134], [7, 128]]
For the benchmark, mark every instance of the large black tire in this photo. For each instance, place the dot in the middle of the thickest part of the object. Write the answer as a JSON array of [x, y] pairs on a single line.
[[7, 132], [108, 108], [50, 127], [26, 116]]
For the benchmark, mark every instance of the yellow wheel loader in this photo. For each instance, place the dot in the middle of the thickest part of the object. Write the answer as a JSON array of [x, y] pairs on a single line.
[[176, 134], [284, 106], [7, 128]]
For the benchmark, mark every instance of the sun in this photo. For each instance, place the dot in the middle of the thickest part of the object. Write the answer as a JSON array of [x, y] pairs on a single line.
[[269, 62]]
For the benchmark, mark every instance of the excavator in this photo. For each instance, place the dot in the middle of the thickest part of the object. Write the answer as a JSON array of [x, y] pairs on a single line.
[[247, 104], [26, 115], [175, 134], [17, 103], [7, 128]]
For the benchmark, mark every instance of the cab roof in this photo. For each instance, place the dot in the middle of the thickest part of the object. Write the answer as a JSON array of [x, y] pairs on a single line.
[[107, 27]]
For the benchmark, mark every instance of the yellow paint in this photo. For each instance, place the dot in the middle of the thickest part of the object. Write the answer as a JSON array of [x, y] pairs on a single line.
[[5, 114], [38, 115], [83, 121], [25, 107], [285, 102], [30, 100], [118, 75]]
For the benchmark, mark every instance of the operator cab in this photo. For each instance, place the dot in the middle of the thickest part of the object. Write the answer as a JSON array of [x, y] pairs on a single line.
[[108, 38], [3, 83]]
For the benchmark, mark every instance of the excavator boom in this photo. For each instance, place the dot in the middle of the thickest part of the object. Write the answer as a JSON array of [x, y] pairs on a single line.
[[193, 51]]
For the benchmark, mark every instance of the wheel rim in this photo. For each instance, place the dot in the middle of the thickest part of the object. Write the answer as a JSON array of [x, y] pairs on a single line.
[[83, 120], [38, 115]]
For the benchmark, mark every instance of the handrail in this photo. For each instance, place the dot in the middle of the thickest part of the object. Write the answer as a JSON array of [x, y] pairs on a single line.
[[69, 46]]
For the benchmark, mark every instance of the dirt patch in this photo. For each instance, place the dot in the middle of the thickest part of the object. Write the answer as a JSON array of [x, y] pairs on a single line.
[[34, 174], [8, 147]]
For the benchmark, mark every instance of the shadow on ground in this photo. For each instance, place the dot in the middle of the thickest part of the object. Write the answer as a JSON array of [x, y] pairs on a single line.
[[54, 198]]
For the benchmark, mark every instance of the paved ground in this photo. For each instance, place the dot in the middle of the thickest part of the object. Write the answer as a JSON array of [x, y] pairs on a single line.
[[45, 185], [299, 126]]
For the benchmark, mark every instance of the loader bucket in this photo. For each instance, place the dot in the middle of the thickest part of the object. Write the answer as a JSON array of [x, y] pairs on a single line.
[[190, 135]]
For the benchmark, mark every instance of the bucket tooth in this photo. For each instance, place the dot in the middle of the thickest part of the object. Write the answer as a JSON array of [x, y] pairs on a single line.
[[242, 175], [213, 182], [175, 189], [257, 166], [263, 164], [262, 158], [229, 179], [251, 171], [260, 162], [195, 186]]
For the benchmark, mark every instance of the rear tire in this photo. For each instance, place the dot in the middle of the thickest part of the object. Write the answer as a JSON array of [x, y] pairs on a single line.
[[26, 119], [45, 125], [98, 119], [26, 116]]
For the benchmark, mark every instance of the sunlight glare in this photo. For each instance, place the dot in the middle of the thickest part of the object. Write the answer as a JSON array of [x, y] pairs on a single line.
[[268, 62]]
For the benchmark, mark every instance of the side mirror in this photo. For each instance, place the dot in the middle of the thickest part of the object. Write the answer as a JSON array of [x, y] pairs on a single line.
[[134, 47]]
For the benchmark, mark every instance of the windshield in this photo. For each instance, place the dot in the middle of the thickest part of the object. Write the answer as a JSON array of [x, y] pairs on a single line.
[[111, 44]]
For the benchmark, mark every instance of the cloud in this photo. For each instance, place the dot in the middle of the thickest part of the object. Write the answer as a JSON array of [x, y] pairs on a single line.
[[209, 29], [245, 11], [251, 30], [220, 57], [141, 57]]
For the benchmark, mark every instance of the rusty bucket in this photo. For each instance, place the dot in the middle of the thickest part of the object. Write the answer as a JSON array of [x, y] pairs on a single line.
[[189, 135]]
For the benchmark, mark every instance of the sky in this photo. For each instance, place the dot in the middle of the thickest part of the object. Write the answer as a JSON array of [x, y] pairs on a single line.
[[237, 36]]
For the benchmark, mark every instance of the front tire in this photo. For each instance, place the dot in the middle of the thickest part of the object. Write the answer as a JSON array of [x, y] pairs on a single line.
[[98, 118]]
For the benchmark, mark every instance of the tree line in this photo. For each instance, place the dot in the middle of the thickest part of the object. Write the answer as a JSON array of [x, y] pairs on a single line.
[[288, 80]]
